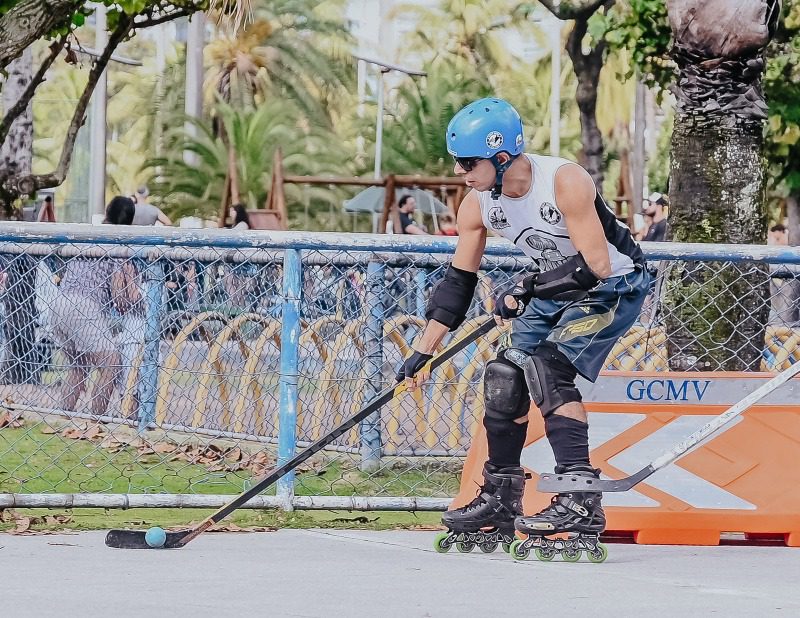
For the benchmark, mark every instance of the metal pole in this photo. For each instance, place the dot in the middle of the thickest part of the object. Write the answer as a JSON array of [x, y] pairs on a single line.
[[154, 287], [195, 40], [373, 366], [379, 127], [555, 89], [97, 169], [638, 149], [361, 88], [290, 360]]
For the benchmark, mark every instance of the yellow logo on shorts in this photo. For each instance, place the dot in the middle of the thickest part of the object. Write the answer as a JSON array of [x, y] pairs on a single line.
[[578, 328], [584, 326]]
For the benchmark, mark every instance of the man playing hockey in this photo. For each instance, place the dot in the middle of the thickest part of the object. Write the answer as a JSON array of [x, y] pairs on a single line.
[[587, 291]]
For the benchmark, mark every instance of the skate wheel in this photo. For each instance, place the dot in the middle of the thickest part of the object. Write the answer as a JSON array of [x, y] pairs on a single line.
[[599, 555], [517, 552], [506, 547], [571, 555], [440, 543], [465, 548], [545, 555], [488, 547]]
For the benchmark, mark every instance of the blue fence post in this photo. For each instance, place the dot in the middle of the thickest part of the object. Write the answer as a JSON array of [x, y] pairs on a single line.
[[147, 383], [290, 360], [370, 427]]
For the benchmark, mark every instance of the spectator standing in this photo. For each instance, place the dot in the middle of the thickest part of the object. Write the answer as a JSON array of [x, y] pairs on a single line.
[[89, 290], [146, 213], [784, 285]]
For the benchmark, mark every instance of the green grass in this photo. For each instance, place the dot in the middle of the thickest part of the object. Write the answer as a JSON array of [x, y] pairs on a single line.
[[101, 519], [32, 461]]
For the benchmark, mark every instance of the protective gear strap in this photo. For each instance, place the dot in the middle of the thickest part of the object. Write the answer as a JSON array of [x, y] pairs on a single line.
[[570, 281], [551, 379], [500, 169], [451, 297], [505, 391]]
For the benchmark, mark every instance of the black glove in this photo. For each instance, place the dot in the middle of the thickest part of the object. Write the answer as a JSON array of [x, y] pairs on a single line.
[[519, 293], [412, 364]]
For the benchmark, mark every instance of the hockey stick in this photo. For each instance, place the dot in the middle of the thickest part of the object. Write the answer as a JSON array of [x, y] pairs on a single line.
[[562, 483], [135, 539]]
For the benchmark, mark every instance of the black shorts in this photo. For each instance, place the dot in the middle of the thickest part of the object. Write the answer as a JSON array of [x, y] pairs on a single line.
[[585, 331]]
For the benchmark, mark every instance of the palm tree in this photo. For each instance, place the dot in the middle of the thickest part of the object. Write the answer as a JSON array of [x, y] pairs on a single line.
[[295, 49], [474, 31], [254, 134], [717, 176], [413, 138]]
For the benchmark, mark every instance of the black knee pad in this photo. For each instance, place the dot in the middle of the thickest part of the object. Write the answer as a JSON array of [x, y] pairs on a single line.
[[551, 379], [505, 390]]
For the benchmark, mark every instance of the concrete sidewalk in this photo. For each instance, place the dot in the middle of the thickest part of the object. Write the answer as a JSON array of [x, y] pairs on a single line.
[[381, 574]]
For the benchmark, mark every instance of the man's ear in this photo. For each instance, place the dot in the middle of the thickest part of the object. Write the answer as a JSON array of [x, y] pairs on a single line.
[[503, 157]]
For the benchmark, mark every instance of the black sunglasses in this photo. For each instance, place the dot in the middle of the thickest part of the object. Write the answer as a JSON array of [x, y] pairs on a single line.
[[468, 163]]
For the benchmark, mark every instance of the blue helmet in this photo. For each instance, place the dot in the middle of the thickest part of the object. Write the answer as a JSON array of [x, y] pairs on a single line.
[[484, 128]]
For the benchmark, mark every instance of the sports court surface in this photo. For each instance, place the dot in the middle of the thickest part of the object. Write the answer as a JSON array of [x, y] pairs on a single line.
[[311, 573]]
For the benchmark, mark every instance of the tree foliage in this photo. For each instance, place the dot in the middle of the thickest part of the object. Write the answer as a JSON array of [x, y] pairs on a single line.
[[196, 188], [642, 27]]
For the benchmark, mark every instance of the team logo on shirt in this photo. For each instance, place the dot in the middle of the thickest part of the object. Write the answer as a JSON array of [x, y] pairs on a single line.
[[549, 213], [494, 140], [497, 218], [549, 256]]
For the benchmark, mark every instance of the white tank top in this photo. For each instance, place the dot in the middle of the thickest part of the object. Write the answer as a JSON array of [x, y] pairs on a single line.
[[535, 225]]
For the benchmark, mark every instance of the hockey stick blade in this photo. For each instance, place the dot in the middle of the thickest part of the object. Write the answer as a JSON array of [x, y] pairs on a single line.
[[565, 483], [134, 539]]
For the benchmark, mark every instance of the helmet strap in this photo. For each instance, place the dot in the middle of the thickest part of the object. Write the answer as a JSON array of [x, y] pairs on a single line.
[[500, 169]]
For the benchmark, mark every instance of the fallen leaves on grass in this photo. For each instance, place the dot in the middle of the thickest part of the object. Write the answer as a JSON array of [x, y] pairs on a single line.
[[23, 524], [235, 528], [362, 519], [11, 419], [214, 457]]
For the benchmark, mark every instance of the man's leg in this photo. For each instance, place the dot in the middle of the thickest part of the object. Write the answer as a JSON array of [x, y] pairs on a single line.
[[107, 364], [489, 518], [74, 383], [585, 334]]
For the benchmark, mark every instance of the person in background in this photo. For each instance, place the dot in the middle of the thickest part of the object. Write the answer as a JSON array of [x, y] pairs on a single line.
[[239, 217], [447, 225], [784, 285], [406, 207], [146, 213], [90, 289], [657, 230]]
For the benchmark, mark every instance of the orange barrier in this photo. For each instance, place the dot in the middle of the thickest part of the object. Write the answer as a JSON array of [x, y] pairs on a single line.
[[744, 479]]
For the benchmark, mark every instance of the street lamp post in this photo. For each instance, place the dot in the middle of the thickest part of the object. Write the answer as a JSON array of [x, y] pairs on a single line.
[[384, 67], [98, 128]]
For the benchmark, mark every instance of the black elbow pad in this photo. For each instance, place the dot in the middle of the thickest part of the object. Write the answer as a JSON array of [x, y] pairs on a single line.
[[451, 297]]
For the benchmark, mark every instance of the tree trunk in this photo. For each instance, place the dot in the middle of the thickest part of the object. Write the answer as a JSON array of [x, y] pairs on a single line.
[[16, 157], [717, 311], [587, 68], [28, 21], [16, 152]]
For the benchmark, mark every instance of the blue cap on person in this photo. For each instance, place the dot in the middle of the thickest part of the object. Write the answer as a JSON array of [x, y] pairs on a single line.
[[484, 128]]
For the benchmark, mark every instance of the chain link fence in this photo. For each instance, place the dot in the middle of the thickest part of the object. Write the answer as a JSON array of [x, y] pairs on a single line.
[[147, 367]]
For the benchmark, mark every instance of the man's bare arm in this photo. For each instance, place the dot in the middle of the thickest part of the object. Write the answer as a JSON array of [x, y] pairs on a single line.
[[575, 194], [468, 254]]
